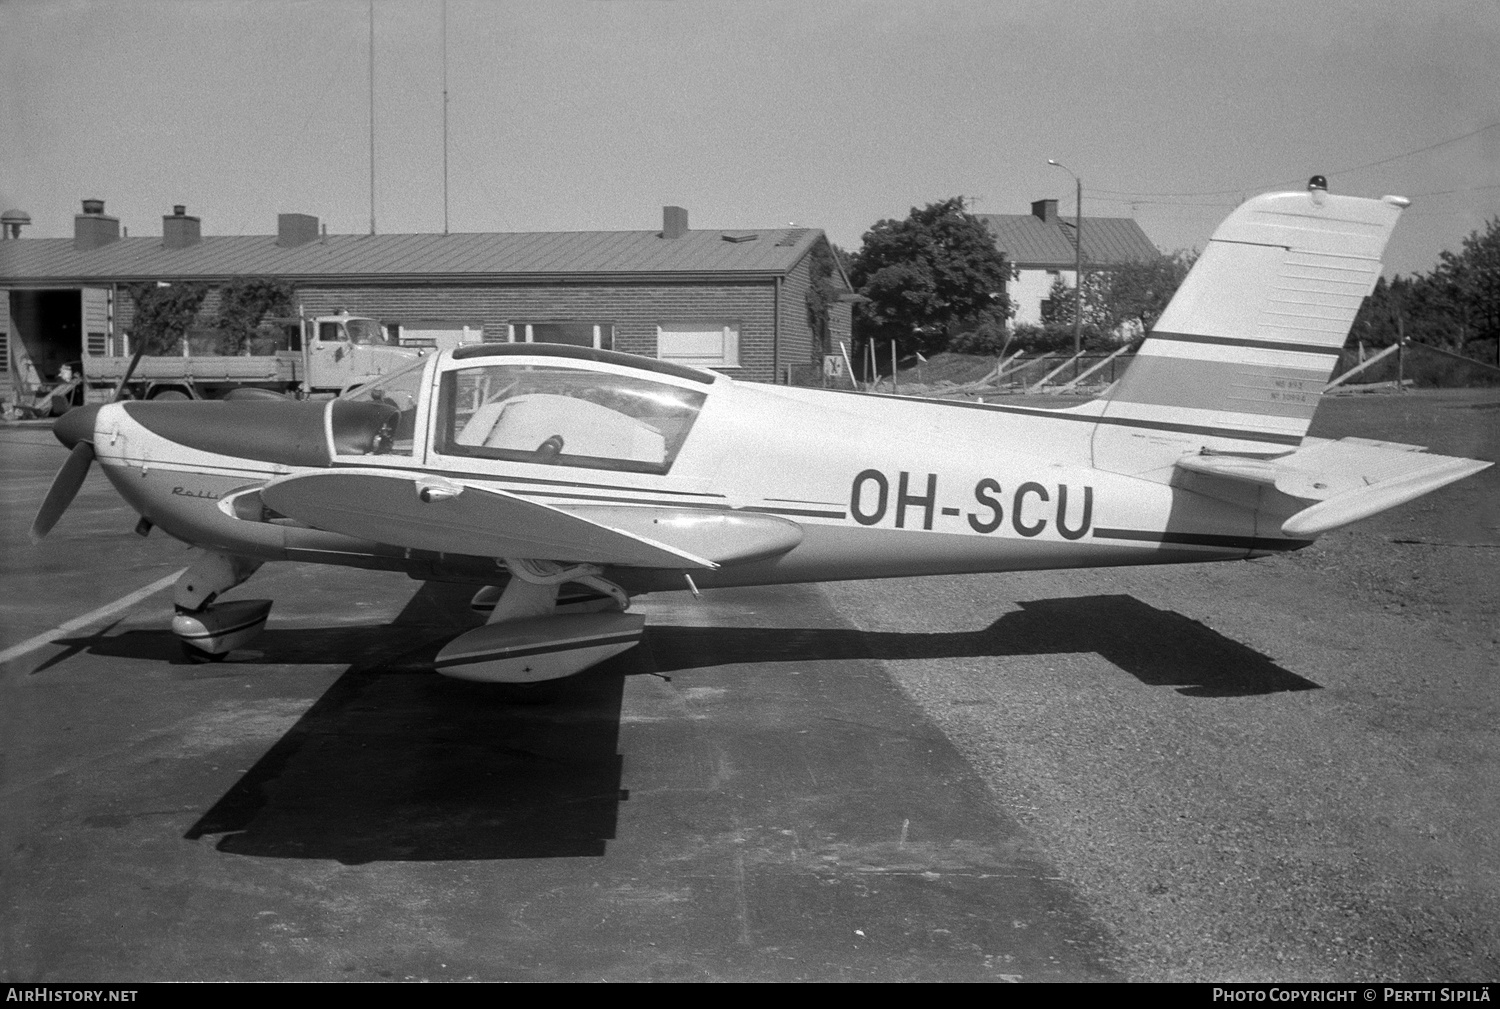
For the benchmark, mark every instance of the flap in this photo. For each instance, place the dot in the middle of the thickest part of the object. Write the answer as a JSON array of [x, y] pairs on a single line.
[[423, 512]]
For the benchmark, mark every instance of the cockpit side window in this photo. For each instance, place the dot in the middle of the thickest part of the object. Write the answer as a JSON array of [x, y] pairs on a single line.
[[564, 417]]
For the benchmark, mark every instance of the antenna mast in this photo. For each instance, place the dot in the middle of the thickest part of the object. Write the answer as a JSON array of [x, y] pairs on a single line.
[[445, 117], [372, 117]]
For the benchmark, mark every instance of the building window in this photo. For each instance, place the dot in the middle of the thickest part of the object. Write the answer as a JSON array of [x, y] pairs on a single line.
[[443, 334], [599, 335], [699, 344]]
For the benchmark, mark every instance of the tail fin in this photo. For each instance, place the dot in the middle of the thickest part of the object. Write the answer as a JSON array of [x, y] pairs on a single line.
[[1238, 360]]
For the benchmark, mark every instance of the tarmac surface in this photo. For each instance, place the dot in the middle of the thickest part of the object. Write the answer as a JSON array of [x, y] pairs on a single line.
[[1284, 770]]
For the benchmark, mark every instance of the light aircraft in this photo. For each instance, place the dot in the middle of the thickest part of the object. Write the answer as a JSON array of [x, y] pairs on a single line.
[[562, 481]]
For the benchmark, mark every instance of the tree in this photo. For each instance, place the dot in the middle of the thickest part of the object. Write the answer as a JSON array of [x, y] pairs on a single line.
[[922, 277], [1139, 292], [1470, 280], [1124, 301], [163, 314], [1456, 306], [1057, 310], [822, 293], [244, 302]]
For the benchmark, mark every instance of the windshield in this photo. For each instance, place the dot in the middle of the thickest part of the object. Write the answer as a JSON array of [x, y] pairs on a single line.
[[379, 418], [366, 331], [564, 417]]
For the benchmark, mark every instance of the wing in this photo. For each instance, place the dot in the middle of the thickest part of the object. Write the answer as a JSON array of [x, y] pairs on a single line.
[[1349, 479], [423, 512], [426, 512]]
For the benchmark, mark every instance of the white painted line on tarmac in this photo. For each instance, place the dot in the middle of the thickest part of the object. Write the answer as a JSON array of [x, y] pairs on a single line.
[[109, 609]]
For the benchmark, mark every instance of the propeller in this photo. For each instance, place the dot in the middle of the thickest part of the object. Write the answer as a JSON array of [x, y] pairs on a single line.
[[75, 429]]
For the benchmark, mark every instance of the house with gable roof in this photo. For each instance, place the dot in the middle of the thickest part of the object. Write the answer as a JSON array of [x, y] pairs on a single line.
[[1040, 246]]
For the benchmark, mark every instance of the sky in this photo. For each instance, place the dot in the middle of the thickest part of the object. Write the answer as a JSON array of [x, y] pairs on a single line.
[[578, 116]]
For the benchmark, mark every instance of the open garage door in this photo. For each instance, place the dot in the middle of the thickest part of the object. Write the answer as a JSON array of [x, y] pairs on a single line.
[[46, 332]]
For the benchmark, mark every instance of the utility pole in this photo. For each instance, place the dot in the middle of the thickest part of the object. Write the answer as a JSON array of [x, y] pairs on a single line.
[[445, 117], [372, 117], [1077, 261]]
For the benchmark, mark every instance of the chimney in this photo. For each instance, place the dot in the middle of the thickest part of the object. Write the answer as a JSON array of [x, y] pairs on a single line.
[[11, 223], [93, 229], [179, 230], [293, 230], [1046, 210], [673, 222]]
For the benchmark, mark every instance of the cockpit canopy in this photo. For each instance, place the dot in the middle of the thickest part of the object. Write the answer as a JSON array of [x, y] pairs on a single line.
[[531, 407], [562, 416]]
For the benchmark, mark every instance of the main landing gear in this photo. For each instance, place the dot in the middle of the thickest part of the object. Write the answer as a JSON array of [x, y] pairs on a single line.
[[535, 632], [533, 635], [207, 631]]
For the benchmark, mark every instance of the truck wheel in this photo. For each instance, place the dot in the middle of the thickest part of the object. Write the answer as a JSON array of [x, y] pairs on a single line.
[[170, 396]]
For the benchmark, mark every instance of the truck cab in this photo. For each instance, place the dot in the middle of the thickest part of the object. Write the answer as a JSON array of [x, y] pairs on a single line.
[[343, 351]]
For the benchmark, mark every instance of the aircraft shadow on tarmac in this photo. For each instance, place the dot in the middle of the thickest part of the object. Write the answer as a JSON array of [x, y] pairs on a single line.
[[1158, 647], [393, 763]]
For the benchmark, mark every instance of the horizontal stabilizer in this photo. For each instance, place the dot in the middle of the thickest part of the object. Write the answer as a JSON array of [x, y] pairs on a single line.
[[423, 512], [1349, 479]]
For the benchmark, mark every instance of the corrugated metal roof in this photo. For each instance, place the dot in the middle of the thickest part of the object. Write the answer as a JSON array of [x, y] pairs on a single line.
[[1028, 241], [520, 255]]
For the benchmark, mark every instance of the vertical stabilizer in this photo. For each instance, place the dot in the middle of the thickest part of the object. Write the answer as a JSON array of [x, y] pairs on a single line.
[[1238, 360]]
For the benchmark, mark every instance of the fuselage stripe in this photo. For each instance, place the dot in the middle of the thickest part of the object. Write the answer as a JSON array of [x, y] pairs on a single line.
[[1235, 341], [807, 512], [469, 475], [1239, 434], [1200, 539]]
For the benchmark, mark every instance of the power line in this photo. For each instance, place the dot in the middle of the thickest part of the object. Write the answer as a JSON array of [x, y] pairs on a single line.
[[1451, 192], [1341, 171]]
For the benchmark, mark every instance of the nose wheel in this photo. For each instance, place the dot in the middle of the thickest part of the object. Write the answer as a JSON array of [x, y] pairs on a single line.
[[208, 630], [211, 633]]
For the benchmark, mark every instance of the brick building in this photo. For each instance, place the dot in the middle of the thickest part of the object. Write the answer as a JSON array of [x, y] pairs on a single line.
[[736, 301]]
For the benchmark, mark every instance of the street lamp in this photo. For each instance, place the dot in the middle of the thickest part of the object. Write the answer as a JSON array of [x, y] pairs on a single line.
[[1077, 261]]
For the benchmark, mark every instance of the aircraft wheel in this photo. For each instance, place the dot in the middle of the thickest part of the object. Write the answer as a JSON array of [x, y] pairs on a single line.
[[197, 656], [169, 396]]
